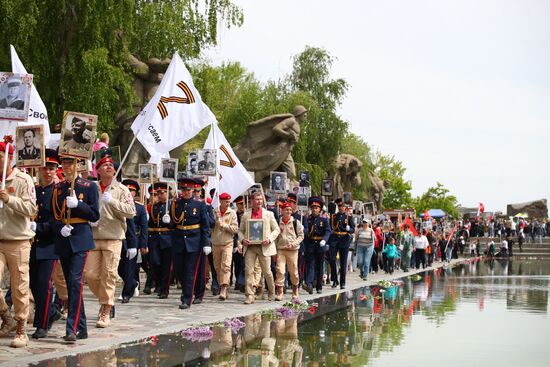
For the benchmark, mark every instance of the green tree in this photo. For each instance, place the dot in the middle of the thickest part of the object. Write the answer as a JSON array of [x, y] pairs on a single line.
[[437, 198], [391, 171], [78, 49]]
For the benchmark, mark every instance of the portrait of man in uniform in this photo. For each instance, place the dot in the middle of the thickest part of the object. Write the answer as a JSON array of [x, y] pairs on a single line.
[[304, 179], [145, 173], [207, 162], [30, 144], [255, 231], [369, 209], [192, 164], [347, 198], [14, 95], [169, 170], [78, 135], [326, 187], [357, 207], [278, 182]]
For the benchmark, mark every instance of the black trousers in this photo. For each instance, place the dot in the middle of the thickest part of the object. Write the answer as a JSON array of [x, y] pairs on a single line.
[[41, 284], [187, 269], [340, 247], [73, 269], [127, 271], [420, 257]]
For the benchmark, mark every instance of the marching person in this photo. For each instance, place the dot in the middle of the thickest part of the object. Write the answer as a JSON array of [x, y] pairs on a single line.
[[261, 251], [117, 205], [222, 242], [288, 242], [342, 226], [43, 257], [74, 238], [191, 239], [297, 214], [238, 258], [407, 246], [160, 242], [19, 207], [140, 224], [316, 245]]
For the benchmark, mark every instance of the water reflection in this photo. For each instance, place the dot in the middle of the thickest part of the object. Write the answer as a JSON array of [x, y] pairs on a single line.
[[372, 325]]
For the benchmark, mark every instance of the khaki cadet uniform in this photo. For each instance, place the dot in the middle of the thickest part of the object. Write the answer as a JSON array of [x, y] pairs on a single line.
[[15, 250], [222, 247], [288, 243], [102, 265], [259, 251]]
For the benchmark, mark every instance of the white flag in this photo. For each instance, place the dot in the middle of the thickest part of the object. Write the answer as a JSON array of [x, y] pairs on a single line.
[[233, 177], [174, 115], [38, 115]]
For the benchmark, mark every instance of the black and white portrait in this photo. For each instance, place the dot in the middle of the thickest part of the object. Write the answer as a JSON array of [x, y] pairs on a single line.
[[78, 135], [278, 182], [30, 146], [326, 187], [255, 231], [192, 164], [347, 198], [206, 162], [304, 179], [302, 201], [357, 207], [145, 173], [369, 209], [14, 95], [169, 170]]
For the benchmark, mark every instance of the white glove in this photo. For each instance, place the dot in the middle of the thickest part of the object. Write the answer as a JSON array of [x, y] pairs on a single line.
[[147, 215], [72, 201], [207, 250], [235, 249], [33, 226], [166, 218], [131, 253], [107, 198], [66, 230], [348, 228], [94, 224], [322, 243]]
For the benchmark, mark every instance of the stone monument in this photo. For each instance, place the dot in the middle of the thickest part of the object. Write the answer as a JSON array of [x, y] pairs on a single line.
[[534, 209], [268, 144]]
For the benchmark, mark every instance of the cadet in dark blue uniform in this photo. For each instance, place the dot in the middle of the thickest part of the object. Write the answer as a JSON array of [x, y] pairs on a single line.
[[43, 257], [191, 239], [136, 238], [160, 241], [73, 241], [316, 245], [343, 227], [200, 286], [297, 214], [238, 258], [150, 280]]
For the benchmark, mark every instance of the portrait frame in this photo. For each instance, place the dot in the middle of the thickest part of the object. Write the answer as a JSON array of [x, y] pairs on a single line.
[[327, 187], [146, 173], [38, 146], [357, 207], [192, 164], [70, 147], [278, 186], [347, 197], [21, 99], [301, 201], [168, 170], [304, 179], [256, 231], [83, 165], [206, 167], [369, 209]]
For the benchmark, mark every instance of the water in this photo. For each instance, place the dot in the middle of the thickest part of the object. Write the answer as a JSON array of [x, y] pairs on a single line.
[[481, 313]]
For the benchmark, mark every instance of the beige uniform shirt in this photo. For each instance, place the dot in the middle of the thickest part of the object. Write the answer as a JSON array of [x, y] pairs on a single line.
[[225, 227], [15, 216], [288, 239], [112, 216]]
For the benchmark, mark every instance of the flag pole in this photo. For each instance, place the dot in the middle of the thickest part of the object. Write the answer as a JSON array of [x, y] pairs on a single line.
[[6, 156], [217, 179]]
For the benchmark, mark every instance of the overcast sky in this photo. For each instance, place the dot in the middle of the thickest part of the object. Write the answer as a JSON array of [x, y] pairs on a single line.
[[457, 90]]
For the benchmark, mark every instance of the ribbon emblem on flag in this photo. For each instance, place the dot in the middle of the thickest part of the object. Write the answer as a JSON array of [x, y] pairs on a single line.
[[188, 99]]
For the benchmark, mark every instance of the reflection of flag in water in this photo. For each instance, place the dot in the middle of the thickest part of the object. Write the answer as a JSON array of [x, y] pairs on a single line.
[[234, 179]]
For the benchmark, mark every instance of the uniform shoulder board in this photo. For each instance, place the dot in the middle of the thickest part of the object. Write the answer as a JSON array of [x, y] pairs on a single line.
[[83, 182]]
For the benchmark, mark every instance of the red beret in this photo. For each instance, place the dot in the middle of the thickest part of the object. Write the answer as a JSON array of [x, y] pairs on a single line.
[[106, 159], [286, 205], [225, 196], [208, 201], [3, 148]]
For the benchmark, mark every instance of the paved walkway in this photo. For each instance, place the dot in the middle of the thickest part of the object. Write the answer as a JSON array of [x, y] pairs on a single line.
[[146, 316]]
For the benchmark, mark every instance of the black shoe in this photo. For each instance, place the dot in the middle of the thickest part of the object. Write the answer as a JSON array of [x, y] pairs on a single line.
[[56, 316], [112, 313], [216, 292], [319, 291], [307, 288], [82, 335], [146, 290], [163, 296], [184, 306], [335, 284], [197, 301], [70, 338], [39, 334], [343, 286], [125, 299]]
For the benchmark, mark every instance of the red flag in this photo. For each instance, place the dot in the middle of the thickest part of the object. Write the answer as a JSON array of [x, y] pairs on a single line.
[[426, 214], [411, 226], [481, 208]]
